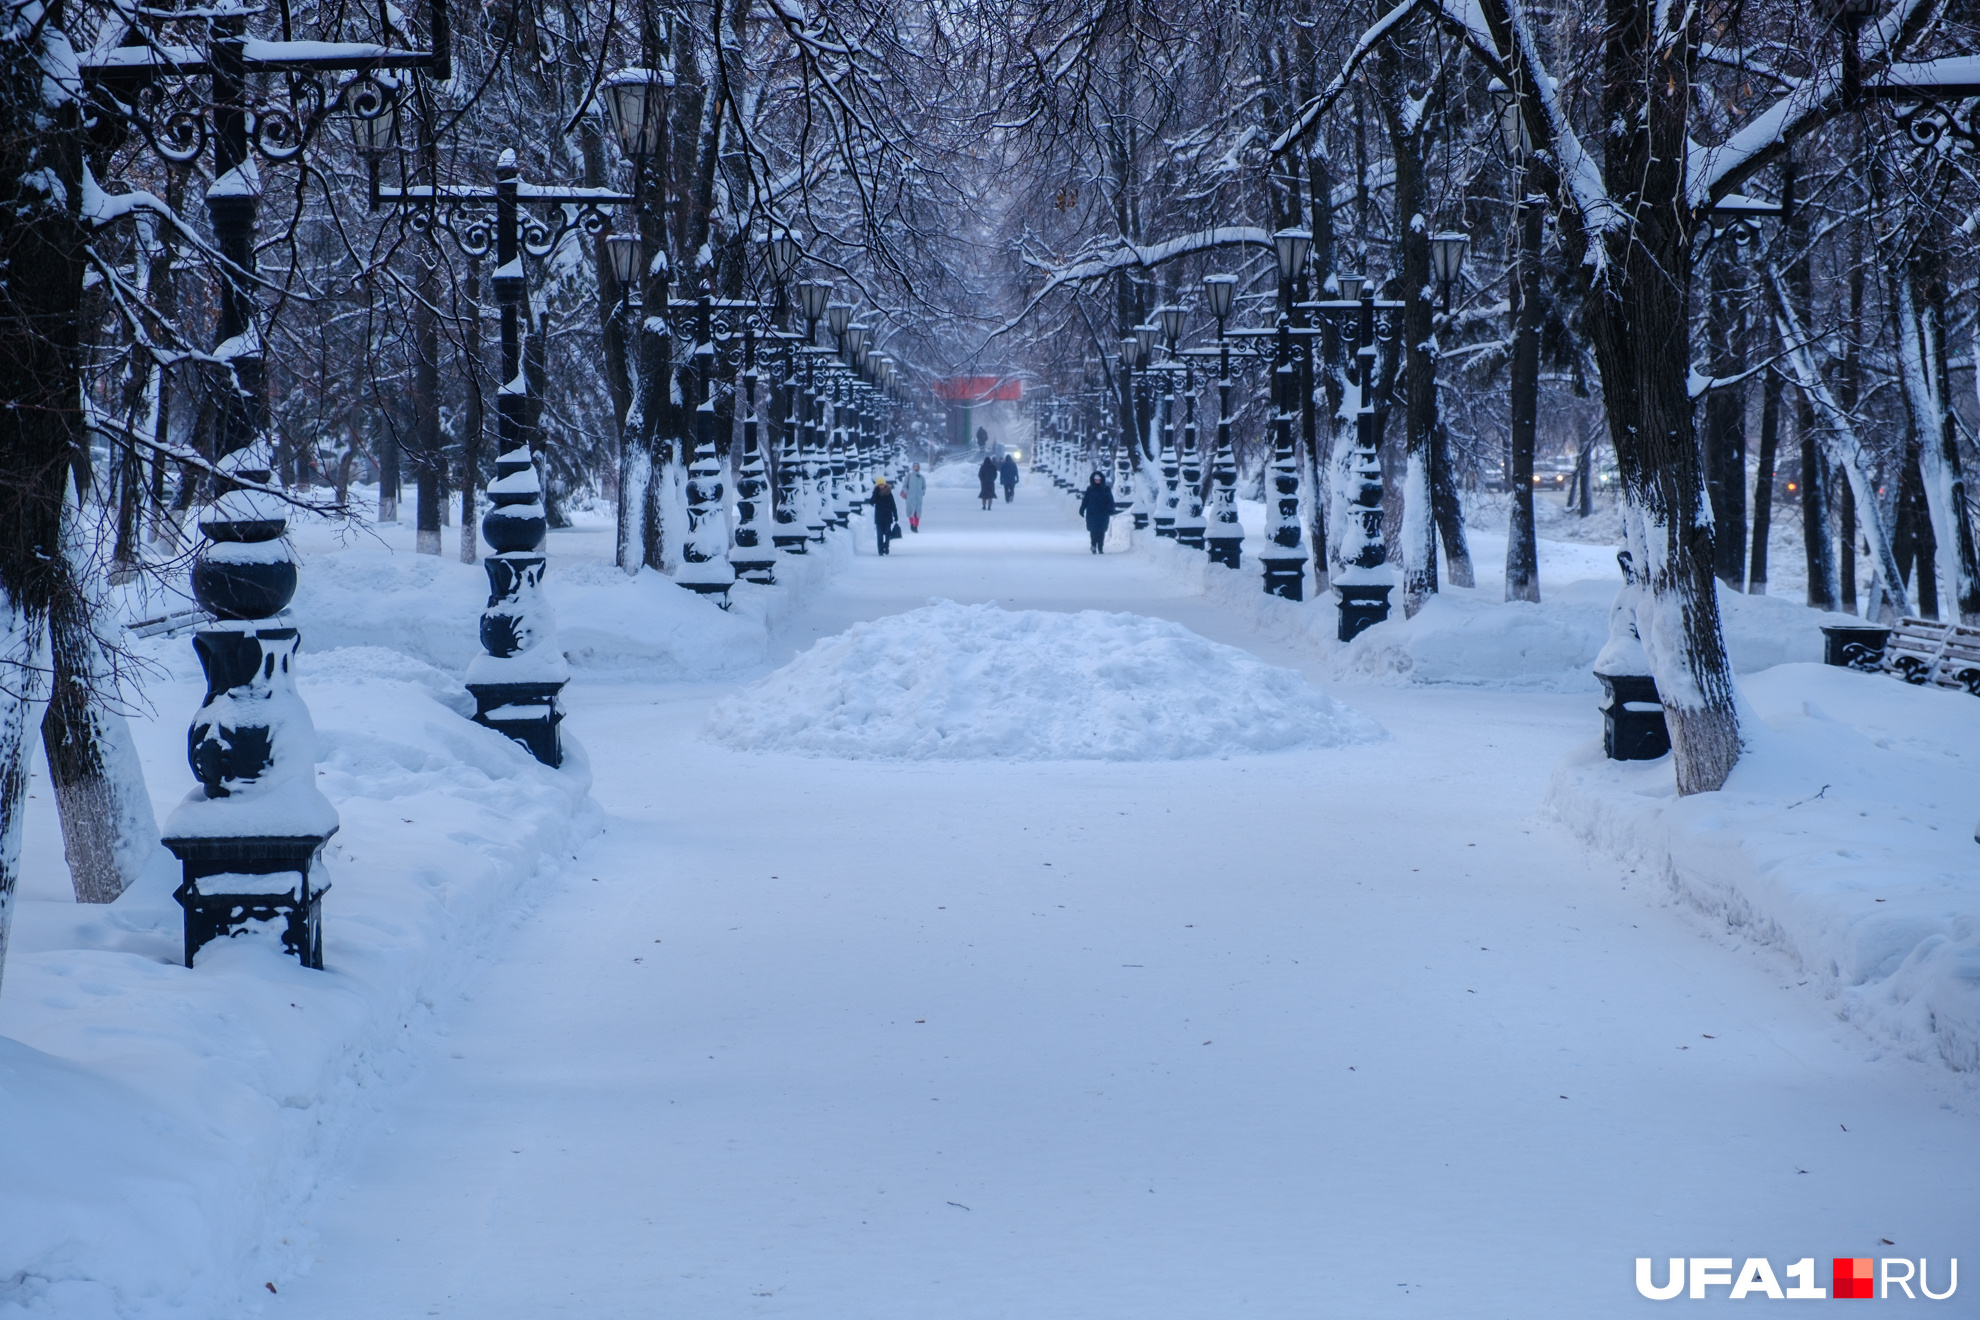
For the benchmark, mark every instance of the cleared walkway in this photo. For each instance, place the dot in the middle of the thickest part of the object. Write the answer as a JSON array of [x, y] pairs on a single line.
[[1345, 1033]]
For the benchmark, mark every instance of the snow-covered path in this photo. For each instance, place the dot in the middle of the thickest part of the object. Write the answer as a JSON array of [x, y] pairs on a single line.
[[1343, 1032]]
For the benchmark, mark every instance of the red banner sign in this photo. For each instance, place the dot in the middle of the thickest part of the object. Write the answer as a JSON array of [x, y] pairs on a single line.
[[979, 389]]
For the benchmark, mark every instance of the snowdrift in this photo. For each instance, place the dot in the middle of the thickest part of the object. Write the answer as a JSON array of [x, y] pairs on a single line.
[[1844, 838], [608, 624], [973, 682], [1473, 638], [166, 1125]]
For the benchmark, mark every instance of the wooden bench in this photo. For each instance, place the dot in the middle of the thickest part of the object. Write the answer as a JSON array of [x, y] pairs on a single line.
[[1923, 652]]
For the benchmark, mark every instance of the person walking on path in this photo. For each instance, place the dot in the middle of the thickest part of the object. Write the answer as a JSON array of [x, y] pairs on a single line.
[[1096, 505], [1009, 472], [886, 518], [913, 487], [986, 477]]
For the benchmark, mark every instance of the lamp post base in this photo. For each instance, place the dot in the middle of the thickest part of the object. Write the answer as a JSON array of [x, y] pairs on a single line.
[[1165, 527], [1285, 577], [1361, 609], [527, 712], [230, 884], [1225, 550], [791, 543], [763, 572], [1633, 727]]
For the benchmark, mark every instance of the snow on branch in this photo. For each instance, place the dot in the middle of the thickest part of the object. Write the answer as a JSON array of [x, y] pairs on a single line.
[[1135, 256], [1309, 114]]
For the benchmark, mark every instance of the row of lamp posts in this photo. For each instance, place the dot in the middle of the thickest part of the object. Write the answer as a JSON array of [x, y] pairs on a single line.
[[249, 837], [1202, 514]]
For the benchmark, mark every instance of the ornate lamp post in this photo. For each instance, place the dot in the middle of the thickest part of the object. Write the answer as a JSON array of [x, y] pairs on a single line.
[[838, 513], [248, 838], [1170, 320], [705, 568], [516, 683], [814, 298], [788, 533], [1285, 559], [1365, 580], [1223, 536], [1190, 524], [1124, 452], [1147, 487]]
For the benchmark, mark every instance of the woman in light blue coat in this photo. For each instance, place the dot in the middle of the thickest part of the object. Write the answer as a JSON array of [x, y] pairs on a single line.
[[913, 487]]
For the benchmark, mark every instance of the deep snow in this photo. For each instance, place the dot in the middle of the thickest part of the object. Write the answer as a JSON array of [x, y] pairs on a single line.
[[1357, 1029]]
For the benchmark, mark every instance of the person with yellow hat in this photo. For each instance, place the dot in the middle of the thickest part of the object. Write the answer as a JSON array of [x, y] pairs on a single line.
[[886, 516]]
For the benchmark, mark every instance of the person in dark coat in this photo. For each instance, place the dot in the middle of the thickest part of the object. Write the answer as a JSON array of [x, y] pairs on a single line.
[[1008, 470], [986, 477], [886, 517], [1096, 505]]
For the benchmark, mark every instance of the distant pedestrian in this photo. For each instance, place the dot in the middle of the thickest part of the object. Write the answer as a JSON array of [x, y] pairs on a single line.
[[913, 487], [1009, 472], [886, 519], [986, 478], [1096, 505]]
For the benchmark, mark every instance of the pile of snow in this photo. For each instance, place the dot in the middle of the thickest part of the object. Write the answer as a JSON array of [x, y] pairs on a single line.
[[1844, 839], [166, 1126], [972, 682], [1474, 638]]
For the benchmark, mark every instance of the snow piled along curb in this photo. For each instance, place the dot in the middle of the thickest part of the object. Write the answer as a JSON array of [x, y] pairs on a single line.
[[1844, 838], [976, 682], [166, 1126]]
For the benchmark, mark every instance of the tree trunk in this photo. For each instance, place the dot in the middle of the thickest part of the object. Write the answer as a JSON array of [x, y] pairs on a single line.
[[1449, 510], [43, 250], [474, 416], [108, 831], [1638, 321], [1763, 482], [1522, 547], [1725, 413], [426, 404], [1818, 548]]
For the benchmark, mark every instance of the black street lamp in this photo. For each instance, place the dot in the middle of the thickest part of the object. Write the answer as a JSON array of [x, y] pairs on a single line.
[[516, 682], [1169, 320], [816, 299], [1365, 580], [788, 534], [1447, 261], [1127, 447], [1223, 536], [249, 837]]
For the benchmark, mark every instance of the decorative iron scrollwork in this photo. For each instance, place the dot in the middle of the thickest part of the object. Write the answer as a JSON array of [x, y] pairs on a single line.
[[1928, 123]]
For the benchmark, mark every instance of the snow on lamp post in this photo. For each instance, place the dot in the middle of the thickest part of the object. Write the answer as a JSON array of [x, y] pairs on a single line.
[[249, 838], [1223, 536], [754, 555], [814, 298], [1124, 502], [1284, 560], [1362, 586], [517, 679], [788, 533], [1148, 487], [838, 316], [705, 568], [1169, 321], [852, 473], [1189, 469]]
